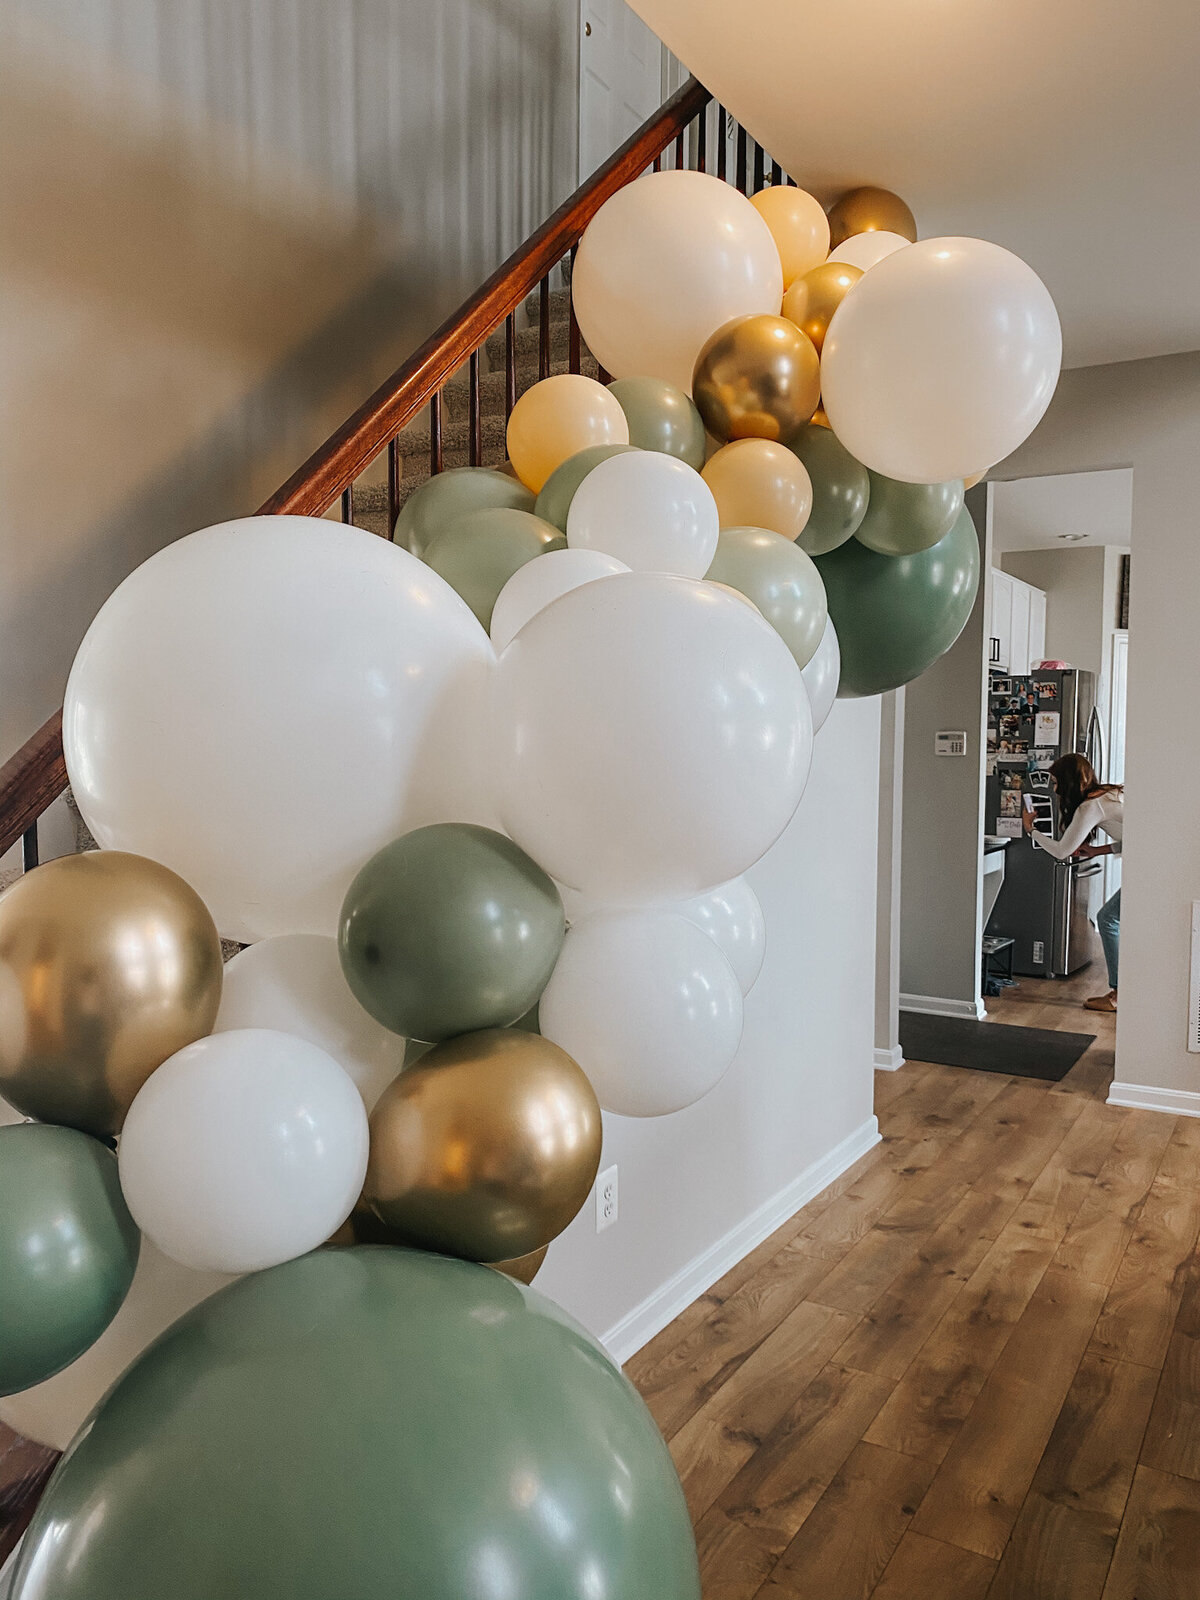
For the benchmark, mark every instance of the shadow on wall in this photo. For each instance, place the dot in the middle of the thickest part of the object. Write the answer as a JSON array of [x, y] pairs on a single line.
[[220, 227]]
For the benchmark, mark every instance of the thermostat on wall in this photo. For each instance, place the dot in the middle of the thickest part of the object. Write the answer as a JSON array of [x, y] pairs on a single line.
[[950, 744]]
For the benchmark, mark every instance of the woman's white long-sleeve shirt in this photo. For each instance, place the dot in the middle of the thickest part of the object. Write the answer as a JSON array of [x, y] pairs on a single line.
[[1105, 811]]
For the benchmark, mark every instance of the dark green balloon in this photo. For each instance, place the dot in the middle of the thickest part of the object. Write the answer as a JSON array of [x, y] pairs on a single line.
[[479, 553], [450, 929], [906, 518], [895, 615], [372, 1423], [452, 494], [661, 418], [68, 1249], [559, 488], [841, 489]]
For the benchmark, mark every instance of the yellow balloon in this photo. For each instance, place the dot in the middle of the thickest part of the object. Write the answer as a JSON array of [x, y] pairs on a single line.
[[485, 1148], [557, 418], [757, 378], [813, 298], [109, 963], [870, 210], [798, 226], [758, 484]]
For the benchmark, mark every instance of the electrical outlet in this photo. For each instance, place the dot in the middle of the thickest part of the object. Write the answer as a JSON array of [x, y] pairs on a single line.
[[606, 1199]]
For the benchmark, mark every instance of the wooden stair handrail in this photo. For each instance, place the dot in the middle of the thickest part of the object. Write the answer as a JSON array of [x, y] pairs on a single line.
[[36, 775]]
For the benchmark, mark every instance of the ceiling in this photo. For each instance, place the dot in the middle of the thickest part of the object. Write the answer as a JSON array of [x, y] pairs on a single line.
[[1035, 513], [1066, 130]]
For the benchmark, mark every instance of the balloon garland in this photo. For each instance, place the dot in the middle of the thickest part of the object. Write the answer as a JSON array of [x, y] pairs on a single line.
[[479, 804]]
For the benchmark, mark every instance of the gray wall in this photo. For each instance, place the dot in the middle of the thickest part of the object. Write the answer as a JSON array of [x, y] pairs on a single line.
[[222, 222], [1146, 414], [943, 809]]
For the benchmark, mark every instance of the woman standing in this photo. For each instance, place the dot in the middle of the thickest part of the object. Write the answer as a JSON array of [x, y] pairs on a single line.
[[1085, 804]]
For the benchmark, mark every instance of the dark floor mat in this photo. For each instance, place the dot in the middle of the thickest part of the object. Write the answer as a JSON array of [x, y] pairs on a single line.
[[991, 1046]]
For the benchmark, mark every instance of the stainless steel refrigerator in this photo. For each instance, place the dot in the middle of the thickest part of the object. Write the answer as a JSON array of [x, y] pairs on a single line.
[[1043, 904]]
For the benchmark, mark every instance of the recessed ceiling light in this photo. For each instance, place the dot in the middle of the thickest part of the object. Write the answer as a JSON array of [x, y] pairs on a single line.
[[1072, 538]]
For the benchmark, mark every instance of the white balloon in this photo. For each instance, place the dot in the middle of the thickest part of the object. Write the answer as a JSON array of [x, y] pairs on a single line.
[[945, 355], [295, 984], [865, 250], [733, 919], [663, 264], [264, 704], [162, 1291], [653, 737], [648, 1006], [243, 1150], [651, 511], [533, 586], [823, 674]]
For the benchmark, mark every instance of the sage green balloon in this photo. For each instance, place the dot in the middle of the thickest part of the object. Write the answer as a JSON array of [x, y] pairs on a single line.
[[782, 581], [373, 1423], [450, 929], [895, 615], [68, 1249], [840, 485], [559, 488], [661, 418], [449, 495], [906, 518], [479, 553]]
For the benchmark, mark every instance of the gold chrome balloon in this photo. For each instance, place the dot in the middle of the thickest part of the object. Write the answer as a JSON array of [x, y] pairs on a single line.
[[820, 420], [523, 1268], [870, 210], [813, 298], [109, 963], [757, 378], [486, 1148]]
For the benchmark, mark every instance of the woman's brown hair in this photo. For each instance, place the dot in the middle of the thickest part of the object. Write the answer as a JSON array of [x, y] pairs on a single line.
[[1076, 781]]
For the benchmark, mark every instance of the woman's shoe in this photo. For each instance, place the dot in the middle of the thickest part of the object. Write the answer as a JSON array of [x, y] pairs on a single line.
[[1102, 1002]]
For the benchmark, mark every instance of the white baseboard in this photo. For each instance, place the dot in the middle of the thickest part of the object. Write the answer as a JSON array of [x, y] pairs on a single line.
[[890, 1060], [640, 1325], [933, 1005], [1176, 1102]]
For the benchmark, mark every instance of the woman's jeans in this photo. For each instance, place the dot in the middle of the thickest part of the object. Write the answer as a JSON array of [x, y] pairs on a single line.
[[1108, 923]]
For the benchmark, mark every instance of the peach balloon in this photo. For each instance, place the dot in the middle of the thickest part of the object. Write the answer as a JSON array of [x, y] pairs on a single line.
[[976, 477], [866, 250], [558, 417], [798, 226], [759, 484]]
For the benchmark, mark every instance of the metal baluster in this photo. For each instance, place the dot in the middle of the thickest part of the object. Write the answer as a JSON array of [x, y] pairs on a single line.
[[658, 162], [740, 179], [702, 141], [776, 173], [760, 173], [29, 847], [605, 375], [679, 151], [544, 327], [435, 434], [393, 486], [348, 504], [722, 141], [510, 363], [573, 341], [475, 421]]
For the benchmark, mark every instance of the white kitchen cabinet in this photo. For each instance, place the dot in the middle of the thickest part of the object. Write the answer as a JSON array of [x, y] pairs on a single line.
[[1018, 638], [1037, 626], [1000, 631], [1017, 627]]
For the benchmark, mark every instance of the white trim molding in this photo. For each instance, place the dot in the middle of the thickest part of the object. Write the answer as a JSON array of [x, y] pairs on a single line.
[[890, 1059], [640, 1325], [932, 1005], [1175, 1102]]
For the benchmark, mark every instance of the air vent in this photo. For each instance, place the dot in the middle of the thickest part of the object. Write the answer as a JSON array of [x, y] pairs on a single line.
[[1193, 1043]]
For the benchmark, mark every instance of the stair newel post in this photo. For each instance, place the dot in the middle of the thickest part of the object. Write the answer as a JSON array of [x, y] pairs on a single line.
[[760, 168], [510, 364], [573, 342], [435, 433], [740, 179], [722, 142], [475, 420], [348, 504], [544, 328], [29, 848], [702, 141], [393, 486]]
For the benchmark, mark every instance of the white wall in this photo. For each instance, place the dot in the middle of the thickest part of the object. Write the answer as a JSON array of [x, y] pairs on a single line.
[[221, 224], [1146, 414], [699, 1189]]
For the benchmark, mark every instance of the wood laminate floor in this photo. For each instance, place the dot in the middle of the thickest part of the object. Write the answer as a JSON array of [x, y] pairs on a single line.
[[969, 1370]]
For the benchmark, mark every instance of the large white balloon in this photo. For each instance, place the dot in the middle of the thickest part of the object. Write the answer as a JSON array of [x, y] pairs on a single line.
[[651, 511], [533, 586], [243, 1150], [648, 1006], [664, 263], [264, 704], [653, 737], [823, 674], [733, 919], [162, 1291], [295, 985], [866, 250], [945, 355]]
